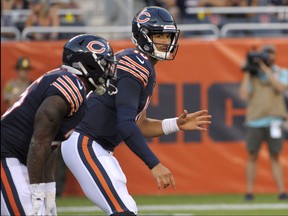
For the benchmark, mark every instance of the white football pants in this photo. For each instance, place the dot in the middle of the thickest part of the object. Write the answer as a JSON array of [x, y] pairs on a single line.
[[99, 174], [15, 192]]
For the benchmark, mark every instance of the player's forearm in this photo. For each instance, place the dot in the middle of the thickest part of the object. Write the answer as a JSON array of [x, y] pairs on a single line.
[[37, 157], [134, 139], [151, 127], [46, 125], [50, 166]]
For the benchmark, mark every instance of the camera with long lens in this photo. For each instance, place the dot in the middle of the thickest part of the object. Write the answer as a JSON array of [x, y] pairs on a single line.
[[252, 65]]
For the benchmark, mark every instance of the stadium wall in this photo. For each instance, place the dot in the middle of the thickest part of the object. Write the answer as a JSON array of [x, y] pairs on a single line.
[[204, 75]]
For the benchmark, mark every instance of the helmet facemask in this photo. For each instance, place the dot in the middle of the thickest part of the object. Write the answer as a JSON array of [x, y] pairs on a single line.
[[170, 50], [146, 44], [91, 57], [101, 83]]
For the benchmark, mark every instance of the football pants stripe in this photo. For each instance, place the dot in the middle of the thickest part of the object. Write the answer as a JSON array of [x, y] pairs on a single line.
[[9, 191], [99, 174]]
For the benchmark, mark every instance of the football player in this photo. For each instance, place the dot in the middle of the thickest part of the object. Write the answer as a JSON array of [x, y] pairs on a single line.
[[45, 115], [122, 117]]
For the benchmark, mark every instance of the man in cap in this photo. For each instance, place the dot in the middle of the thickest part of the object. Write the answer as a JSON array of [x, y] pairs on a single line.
[[15, 87]]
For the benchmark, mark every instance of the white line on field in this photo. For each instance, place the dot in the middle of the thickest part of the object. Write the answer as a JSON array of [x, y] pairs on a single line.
[[199, 207]]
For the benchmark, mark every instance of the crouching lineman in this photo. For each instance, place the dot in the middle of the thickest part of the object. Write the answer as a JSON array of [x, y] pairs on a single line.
[[122, 117], [45, 115]]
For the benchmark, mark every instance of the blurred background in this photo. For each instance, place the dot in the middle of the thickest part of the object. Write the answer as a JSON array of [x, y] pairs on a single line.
[[61, 19], [216, 36]]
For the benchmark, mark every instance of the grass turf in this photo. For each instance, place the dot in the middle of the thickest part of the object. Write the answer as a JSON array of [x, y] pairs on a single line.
[[184, 200]]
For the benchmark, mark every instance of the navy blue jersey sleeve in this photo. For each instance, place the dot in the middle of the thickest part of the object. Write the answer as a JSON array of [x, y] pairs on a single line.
[[70, 89], [135, 66], [127, 104]]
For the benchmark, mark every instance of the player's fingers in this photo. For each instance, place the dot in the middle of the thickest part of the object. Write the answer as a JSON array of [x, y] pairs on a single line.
[[204, 122], [184, 114], [201, 128], [168, 180], [158, 182], [172, 180], [204, 117], [200, 113], [165, 182]]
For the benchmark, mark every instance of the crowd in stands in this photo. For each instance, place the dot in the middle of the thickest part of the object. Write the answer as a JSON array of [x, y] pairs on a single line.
[[45, 13], [179, 9], [41, 13]]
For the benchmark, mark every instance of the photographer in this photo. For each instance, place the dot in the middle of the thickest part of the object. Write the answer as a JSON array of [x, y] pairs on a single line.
[[262, 88]]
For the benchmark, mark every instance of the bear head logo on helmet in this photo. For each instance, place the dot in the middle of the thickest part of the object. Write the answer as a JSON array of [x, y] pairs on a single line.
[[94, 59]]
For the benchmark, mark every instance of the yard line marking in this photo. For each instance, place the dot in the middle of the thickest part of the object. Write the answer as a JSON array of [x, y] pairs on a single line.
[[213, 207], [193, 207]]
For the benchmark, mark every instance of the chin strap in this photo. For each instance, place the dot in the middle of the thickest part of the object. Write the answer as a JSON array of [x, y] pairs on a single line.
[[99, 89], [111, 89]]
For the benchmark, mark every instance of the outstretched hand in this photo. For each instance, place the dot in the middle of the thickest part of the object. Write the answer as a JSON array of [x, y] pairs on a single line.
[[194, 121]]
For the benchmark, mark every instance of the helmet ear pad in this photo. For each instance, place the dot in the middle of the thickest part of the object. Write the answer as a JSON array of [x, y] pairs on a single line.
[[145, 42], [93, 69]]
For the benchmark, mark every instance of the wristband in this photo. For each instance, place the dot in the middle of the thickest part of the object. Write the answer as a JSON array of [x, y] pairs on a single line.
[[170, 126]]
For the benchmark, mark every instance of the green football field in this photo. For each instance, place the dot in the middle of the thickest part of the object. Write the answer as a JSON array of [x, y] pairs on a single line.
[[263, 204]]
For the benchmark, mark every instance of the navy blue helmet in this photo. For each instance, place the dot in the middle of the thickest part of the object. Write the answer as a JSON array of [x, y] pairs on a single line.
[[94, 59], [155, 20]]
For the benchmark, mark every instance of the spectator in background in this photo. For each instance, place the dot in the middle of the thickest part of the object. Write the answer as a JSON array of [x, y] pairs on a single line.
[[18, 17], [5, 19], [14, 88], [13, 16], [64, 4], [185, 16], [43, 15], [170, 5], [262, 88], [240, 3], [69, 18], [6, 4], [20, 5], [211, 3], [208, 17], [273, 2], [160, 3]]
